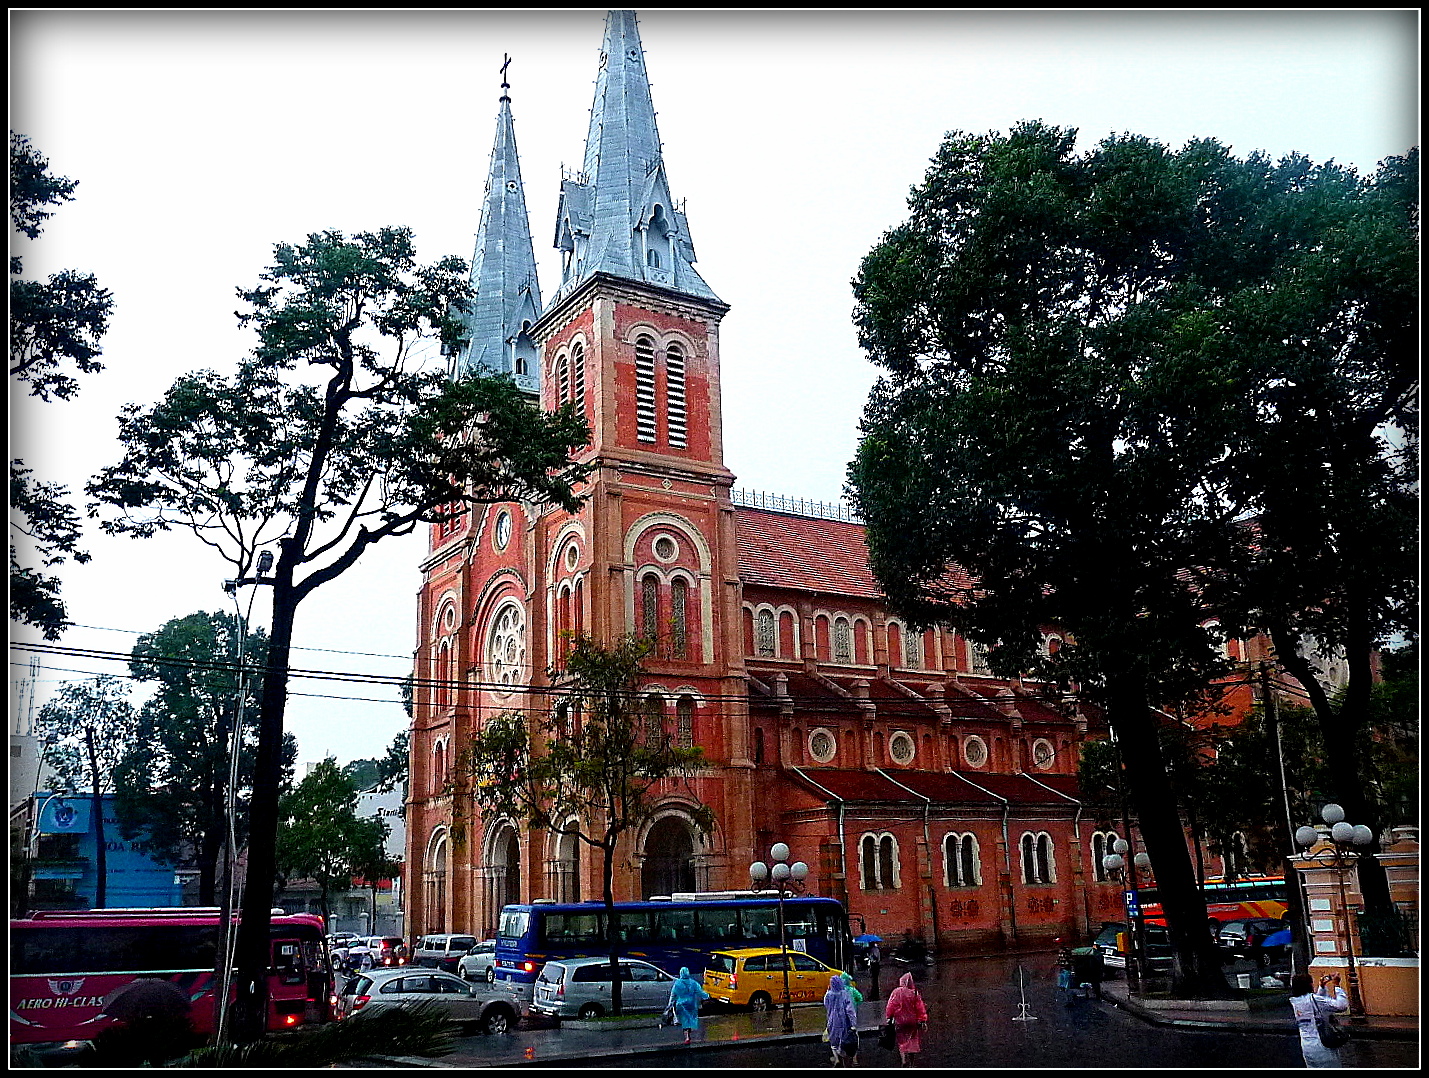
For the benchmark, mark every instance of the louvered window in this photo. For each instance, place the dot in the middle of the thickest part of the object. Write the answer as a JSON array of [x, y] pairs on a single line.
[[654, 721], [563, 379], [675, 395], [645, 389], [578, 372]]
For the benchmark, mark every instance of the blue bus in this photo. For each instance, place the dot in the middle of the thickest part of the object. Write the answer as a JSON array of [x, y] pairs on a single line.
[[667, 932]]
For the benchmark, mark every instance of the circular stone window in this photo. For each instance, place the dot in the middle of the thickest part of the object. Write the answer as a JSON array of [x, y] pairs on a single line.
[[449, 618], [822, 745], [506, 648], [666, 549], [974, 751], [1043, 754], [573, 554], [502, 533], [901, 748]]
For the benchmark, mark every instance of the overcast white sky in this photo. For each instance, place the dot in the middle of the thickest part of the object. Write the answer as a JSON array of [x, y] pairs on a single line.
[[201, 139]]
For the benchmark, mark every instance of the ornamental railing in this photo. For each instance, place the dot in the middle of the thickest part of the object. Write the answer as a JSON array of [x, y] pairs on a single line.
[[804, 507]]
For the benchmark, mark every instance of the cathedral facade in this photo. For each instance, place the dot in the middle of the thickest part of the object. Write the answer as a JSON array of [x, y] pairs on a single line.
[[930, 797]]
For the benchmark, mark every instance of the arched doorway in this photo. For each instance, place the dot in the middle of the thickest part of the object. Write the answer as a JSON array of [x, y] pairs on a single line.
[[568, 869], [669, 858], [509, 857]]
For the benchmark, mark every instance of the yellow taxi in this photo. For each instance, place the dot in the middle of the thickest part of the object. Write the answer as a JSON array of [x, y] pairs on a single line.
[[754, 977]]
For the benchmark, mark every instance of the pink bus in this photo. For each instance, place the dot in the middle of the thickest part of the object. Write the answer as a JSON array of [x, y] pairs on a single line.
[[64, 965]]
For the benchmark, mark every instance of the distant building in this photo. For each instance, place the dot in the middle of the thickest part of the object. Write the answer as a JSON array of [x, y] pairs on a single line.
[[61, 859]]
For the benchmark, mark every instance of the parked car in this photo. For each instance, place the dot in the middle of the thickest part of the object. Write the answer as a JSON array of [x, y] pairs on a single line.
[[581, 988], [1115, 938], [372, 952], [1244, 939], [754, 977], [479, 963], [380, 989], [442, 951]]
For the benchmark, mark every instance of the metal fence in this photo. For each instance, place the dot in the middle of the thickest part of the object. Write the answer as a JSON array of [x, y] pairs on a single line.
[[804, 507], [1389, 935]]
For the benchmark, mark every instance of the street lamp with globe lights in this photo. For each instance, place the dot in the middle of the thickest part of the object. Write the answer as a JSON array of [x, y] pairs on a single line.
[[1115, 862], [786, 879], [1341, 851]]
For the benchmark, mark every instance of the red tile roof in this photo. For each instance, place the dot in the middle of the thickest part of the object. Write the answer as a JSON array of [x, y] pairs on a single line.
[[944, 787], [808, 553]]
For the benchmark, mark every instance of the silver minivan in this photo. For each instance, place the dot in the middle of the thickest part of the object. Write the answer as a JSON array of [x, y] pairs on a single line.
[[442, 951], [580, 988]]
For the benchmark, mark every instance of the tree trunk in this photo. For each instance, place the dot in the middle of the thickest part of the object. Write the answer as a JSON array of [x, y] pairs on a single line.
[[1197, 969], [101, 859], [612, 936], [253, 952]]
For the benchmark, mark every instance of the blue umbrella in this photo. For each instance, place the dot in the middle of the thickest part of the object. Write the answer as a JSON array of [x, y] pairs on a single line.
[[1280, 938], [868, 937]]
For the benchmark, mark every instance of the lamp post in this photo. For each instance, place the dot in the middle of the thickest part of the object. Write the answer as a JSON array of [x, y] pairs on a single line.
[[786, 879], [1116, 861], [1340, 851]]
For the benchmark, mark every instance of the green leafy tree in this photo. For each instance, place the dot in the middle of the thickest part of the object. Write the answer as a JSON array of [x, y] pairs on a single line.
[[1326, 341], [590, 768], [393, 768], [172, 781], [95, 722], [321, 837], [1066, 412], [329, 438], [361, 773], [53, 323]]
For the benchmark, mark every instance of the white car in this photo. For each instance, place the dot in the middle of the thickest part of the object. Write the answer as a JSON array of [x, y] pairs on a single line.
[[479, 963], [580, 988]]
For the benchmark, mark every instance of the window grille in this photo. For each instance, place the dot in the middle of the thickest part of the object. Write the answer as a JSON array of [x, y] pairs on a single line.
[[685, 722], [578, 371], [843, 641], [765, 645], [650, 607], [563, 379], [679, 637]]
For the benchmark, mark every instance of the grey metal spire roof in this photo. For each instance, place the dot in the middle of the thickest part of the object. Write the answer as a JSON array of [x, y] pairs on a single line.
[[503, 269], [616, 216]]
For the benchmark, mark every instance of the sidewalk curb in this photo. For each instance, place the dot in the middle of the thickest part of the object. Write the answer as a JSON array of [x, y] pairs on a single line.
[[1358, 1031]]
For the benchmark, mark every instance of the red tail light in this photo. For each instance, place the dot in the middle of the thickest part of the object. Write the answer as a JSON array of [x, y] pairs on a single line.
[[561, 990], [359, 1002], [290, 1020], [529, 967], [733, 982]]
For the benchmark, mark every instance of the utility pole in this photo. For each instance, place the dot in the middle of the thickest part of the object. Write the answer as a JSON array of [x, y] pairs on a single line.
[[1294, 896]]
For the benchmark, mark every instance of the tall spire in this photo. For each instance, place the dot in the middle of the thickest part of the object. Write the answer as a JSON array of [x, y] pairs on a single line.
[[503, 268], [617, 216]]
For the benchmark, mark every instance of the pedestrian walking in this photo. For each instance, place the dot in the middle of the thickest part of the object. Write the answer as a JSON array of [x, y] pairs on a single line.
[[875, 960], [1065, 981], [909, 1016], [686, 995], [1310, 1008], [852, 988], [842, 1022]]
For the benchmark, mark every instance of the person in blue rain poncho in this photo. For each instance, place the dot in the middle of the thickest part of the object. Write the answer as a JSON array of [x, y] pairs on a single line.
[[686, 995], [843, 1022]]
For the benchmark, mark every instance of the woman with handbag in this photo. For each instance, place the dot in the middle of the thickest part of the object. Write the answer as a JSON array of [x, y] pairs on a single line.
[[909, 1016], [1320, 1038], [842, 1022]]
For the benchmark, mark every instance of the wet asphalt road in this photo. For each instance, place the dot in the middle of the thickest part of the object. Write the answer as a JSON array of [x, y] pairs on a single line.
[[972, 1004]]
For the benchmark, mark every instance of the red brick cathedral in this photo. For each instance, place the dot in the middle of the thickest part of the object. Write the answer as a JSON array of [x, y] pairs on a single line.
[[928, 796]]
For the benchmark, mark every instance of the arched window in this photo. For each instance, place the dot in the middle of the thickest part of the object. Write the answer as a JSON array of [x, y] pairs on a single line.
[[887, 862], [645, 389], [654, 720], [1102, 844], [652, 258], [675, 395], [578, 372], [878, 859], [685, 722], [679, 627], [843, 641], [1038, 864], [895, 644], [563, 379], [765, 641], [962, 864], [913, 650], [650, 607], [439, 767]]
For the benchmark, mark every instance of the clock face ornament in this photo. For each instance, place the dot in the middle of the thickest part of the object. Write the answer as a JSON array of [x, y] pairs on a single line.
[[503, 531]]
